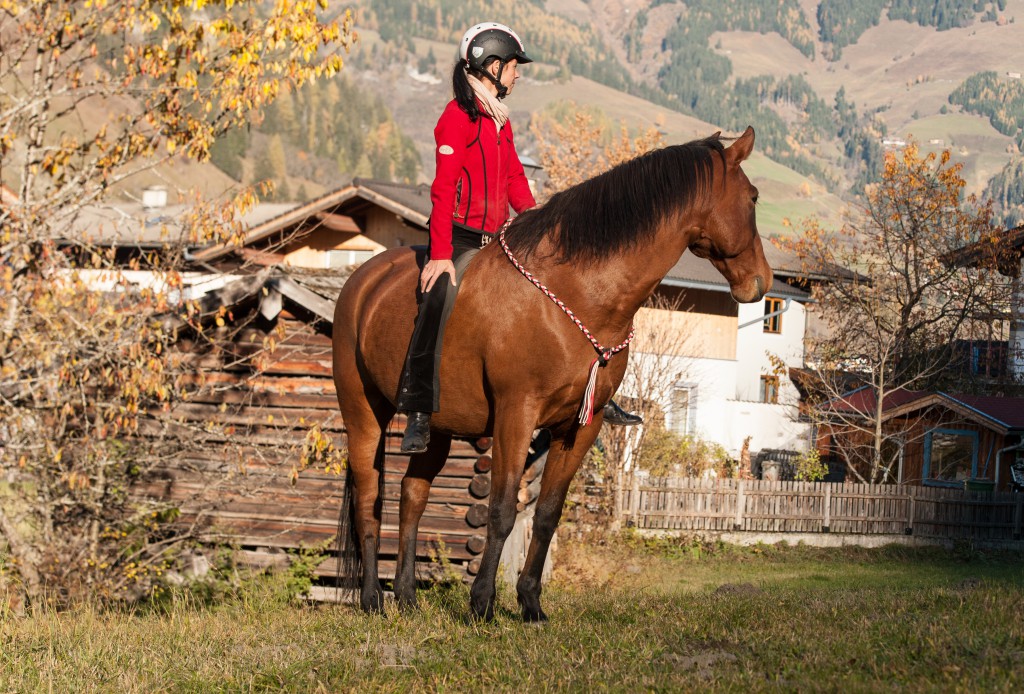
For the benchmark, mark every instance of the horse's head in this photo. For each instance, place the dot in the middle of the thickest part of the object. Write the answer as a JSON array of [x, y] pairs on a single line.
[[728, 237]]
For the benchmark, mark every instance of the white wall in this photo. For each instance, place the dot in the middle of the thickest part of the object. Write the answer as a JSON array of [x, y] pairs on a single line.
[[769, 426], [753, 345], [728, 390]]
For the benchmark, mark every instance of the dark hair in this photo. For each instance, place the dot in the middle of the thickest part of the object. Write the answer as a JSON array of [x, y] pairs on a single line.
[[619, 208], [465, 97]]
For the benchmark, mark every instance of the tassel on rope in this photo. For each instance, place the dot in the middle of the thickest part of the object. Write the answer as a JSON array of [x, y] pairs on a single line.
[[587, 406]]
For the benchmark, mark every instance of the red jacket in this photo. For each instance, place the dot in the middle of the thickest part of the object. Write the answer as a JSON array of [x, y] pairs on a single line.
[[478, 176]]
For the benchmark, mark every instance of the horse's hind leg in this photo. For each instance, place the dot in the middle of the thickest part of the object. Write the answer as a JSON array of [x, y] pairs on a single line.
[[563, 461], [512, 432], [423, 468], [366, 459], [366, 413]]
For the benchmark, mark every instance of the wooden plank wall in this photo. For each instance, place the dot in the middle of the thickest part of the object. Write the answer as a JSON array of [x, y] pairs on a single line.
[[234, 480], [763, 506]]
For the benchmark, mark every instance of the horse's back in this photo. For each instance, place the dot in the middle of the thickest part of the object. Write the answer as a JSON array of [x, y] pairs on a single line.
[[503, 335], [373, 322]]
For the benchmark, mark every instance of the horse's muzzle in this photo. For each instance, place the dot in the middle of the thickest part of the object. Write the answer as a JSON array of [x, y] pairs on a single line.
[[753, 291]]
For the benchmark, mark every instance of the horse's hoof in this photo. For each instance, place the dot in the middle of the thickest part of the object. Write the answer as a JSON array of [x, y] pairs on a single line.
[[407, 604], [535, 616], [482, 613], [531, 611], [373, 603]]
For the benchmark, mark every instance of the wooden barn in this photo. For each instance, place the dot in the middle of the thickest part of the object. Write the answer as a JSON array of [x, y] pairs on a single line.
[[335, 231], [251, 467], [244, 454], [938, 439]]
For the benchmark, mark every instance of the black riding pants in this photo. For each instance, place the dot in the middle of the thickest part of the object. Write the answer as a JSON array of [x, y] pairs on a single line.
[[418, 390]]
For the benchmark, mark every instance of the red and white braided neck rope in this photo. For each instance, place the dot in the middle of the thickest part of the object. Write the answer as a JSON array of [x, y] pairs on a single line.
[[586, 414]]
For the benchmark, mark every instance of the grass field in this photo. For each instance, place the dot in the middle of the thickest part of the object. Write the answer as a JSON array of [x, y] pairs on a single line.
[[624, 617]]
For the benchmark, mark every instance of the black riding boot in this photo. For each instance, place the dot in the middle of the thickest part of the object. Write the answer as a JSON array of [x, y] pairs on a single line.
[[613, 414], [417, 432]]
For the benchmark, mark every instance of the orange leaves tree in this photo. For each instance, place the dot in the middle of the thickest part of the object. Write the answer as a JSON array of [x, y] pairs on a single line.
[[577, 143], [93, 93], [895, 324]]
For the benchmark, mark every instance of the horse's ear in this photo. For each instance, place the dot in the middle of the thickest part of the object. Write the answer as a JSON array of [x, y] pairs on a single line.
[[739, 150]]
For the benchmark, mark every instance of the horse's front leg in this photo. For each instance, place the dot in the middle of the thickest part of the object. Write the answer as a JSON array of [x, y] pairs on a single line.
[[564, 459], [512, 433], [423, 468]]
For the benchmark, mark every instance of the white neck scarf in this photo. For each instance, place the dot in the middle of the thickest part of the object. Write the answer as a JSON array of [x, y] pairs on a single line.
[[494, 108]]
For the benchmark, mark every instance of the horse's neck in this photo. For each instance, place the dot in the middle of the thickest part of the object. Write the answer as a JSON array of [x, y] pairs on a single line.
[[606, 294]]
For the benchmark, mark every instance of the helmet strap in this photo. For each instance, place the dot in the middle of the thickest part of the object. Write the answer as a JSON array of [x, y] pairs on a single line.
[[496, 81]]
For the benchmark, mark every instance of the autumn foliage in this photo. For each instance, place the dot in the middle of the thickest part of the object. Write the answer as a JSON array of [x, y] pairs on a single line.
[[93, 93], [894, 321], [577, 143]]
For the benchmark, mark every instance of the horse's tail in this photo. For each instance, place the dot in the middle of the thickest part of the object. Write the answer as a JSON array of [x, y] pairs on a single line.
[[348, 567]]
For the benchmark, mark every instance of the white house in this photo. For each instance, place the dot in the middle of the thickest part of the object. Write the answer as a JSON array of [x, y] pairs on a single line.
[[728, 362]]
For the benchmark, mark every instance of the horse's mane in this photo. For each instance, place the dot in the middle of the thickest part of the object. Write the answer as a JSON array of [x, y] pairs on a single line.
[[620, 208]]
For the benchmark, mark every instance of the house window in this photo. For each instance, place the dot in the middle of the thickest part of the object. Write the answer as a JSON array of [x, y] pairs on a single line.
[[683, 419], [770, 389], [988, 358], [950, 457], [892, 459], [772, 323]]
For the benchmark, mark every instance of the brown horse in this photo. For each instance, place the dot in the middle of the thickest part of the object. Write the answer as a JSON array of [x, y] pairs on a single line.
[[513, 361]]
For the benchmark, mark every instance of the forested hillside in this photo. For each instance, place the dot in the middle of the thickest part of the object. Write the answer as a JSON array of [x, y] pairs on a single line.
[[669, 53], [998, 99], [1002, 102], [843, 22], [694, 78], [323, 132]]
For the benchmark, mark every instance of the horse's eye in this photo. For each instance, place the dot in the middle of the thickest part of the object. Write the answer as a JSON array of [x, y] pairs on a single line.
[[754, 199]]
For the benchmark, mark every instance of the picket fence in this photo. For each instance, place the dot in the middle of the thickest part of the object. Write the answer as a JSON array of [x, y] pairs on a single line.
[[690, 504]]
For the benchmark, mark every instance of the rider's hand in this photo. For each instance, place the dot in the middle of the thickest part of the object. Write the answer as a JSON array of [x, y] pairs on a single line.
[[434, 269]]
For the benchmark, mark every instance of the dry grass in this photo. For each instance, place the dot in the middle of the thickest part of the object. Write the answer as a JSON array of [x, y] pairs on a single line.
[[630, 615]]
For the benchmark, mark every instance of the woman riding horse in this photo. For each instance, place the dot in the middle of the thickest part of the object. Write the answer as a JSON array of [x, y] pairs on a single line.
[[478, 175], [594, 254]]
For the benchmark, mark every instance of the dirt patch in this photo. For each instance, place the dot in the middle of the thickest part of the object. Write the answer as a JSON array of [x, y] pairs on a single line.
[[386, 655], [577, 564], [703, 664]]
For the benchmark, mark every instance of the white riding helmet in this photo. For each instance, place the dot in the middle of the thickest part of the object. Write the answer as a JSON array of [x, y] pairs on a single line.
[[491, 39]]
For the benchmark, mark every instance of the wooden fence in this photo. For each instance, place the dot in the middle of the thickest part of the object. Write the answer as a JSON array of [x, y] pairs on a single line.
[[807, 507]]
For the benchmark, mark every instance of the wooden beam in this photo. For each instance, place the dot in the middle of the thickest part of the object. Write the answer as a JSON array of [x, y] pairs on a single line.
[[228, 295], [338, 222], [304, 297]]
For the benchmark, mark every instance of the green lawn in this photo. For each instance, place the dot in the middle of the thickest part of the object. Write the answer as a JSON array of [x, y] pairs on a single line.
[[624, 618]]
